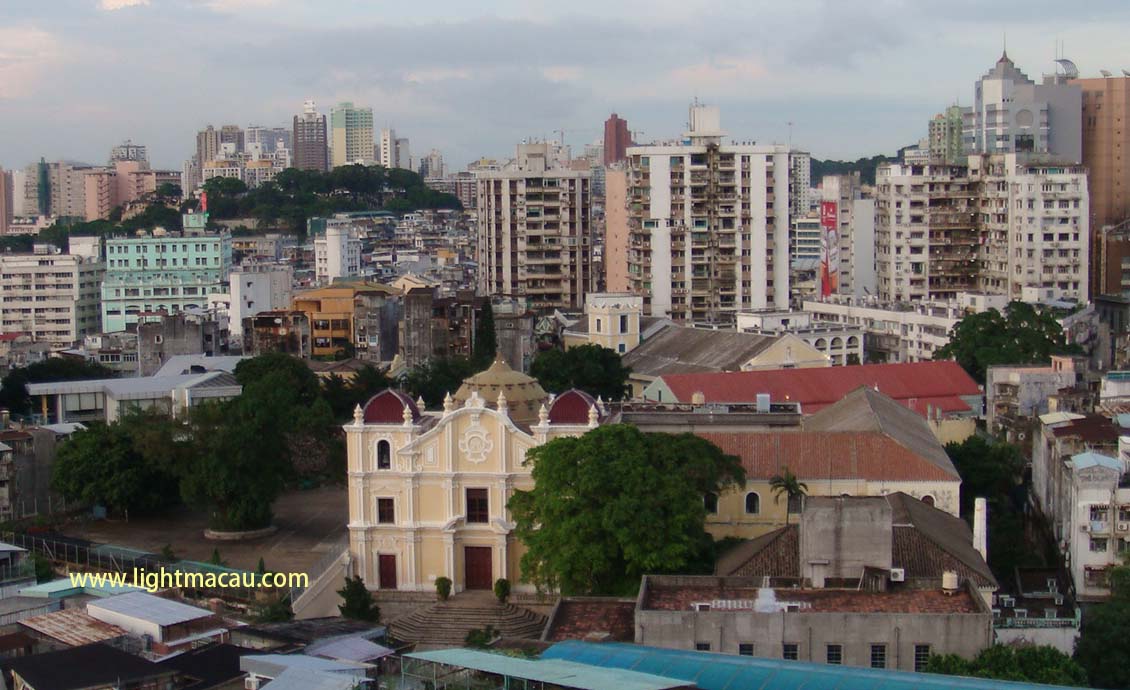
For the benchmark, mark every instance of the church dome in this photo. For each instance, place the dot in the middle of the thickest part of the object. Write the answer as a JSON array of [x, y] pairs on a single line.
[[524, 395], [387, 407]]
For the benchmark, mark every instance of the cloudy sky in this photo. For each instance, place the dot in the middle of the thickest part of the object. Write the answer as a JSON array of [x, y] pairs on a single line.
[[471, 79]]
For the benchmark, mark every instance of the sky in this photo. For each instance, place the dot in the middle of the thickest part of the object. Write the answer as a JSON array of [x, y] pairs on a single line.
[[473, 79]]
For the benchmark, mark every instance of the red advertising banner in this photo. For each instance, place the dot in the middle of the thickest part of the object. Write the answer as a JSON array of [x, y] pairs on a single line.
[[830, 244]]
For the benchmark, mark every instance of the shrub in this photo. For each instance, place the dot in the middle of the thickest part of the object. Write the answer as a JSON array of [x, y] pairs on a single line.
[[502, 589], [443, 588]]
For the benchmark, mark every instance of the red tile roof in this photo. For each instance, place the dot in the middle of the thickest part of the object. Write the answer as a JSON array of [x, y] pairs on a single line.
[[915, 384], [578, 618], [867, 455], [571, 407], [387, 407]]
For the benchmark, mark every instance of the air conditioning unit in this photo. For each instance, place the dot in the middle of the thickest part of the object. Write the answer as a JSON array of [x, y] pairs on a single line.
[[252, 683], [1124, 527], [898, 575], [1059, 600], [1085, 527]]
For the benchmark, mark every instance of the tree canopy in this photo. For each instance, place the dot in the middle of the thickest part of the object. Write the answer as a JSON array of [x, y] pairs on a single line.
[[1103, 647], [596, 370], [437, 377], [1030, 664], [127, 467], [296, 195], [1022, 335], [616, 503], [356, 601], [13, 388]]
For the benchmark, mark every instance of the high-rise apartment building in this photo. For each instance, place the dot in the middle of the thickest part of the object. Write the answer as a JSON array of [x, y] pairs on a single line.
[[129, 151], [7, 200], [617, 139], [851, 218], [167, 272], [52, 297], [616, 230], [232, 134], [268, 139], [535, 230], [403, 154], [386, 154], [207, 145], [945, 136], [311, 151], [352, 134], [431, 165], [1106, 146], [1003, 225], [1013, 114], [800, 184], [67, 189], [708, 224]]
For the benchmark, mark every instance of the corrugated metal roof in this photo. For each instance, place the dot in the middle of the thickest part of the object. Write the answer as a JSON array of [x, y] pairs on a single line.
[[1089, 459], [304, 679], [149, 608], [73, 627], [710, 671], [348, 648], [560, 672]]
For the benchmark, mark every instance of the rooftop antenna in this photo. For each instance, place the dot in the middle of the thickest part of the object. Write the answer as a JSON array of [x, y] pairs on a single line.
[[790, 124]]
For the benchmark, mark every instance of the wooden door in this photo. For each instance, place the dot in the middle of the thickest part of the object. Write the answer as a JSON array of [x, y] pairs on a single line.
[[477, 567], [386, 571]]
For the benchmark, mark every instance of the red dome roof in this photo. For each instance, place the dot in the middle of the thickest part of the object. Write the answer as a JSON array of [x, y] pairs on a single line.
[[571, 407], [387, 407]]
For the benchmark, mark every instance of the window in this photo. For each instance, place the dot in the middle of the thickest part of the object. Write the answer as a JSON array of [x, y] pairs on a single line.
[[710, 501], [702, 646], [1099, 544], [835, 654], [386, 511], [928, 500], [790, 651], [921, 656], [598, 325], [478, 506], [878, 656], [624, 323], [1099, 513], [622, 348], [752, 503], [745, 649], [384, 455]]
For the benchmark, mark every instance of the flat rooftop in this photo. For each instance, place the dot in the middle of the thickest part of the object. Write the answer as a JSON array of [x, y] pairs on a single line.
[[683, 597]]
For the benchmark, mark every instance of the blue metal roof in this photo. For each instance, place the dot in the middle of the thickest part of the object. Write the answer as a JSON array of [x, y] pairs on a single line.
[[561, 672], [711, 671], [1092, 459]]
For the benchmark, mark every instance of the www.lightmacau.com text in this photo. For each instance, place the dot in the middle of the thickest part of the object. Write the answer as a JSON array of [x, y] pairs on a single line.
[[156, 580]]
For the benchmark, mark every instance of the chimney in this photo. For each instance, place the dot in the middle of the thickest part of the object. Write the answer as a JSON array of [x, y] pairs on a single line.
[[698, 398], [5, 418], [981, 527]]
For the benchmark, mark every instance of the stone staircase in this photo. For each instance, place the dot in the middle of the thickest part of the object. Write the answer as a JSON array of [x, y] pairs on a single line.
[[446, 624]]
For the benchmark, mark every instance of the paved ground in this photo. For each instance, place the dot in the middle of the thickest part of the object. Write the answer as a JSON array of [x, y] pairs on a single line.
[[310, 523]]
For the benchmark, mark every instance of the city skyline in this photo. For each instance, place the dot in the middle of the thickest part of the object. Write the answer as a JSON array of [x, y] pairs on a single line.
[[853, 79]]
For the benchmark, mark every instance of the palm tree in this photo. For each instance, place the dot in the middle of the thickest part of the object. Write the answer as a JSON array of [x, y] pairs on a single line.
[[787, 483]]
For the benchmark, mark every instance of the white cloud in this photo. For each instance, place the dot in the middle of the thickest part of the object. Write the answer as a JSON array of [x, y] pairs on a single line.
[[111, 5]]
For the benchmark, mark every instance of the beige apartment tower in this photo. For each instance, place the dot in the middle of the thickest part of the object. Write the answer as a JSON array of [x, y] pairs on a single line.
[[535, 229]]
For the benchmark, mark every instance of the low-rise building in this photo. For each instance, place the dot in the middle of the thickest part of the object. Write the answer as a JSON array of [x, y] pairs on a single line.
[[841, 342], [256, 288], [902, 331], [856, 626], [277, 331], [1079, 468], [1015, 394], [675, 349], [362, 317], [165, 625]]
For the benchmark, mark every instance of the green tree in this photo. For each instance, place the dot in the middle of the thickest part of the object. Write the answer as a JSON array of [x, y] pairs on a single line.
[[1027, 664], [994, 470], [1103, 648], [614, 504], [485, 346], [596, 370], [274, 610], [1022, 335], [786, 484], [298, 376], [437, 377], [357, 603], [13, 388], [105, 465]]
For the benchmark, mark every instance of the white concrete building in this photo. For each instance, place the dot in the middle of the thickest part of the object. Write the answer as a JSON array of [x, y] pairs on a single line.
[[386, 154], [841, 342], [54, 298], [534, 221], [800, 184], [337, 254], [904, 331], [1003, 225], [1015, 393], [708, 224], [257, 288], [1013, 114], [854, 215]]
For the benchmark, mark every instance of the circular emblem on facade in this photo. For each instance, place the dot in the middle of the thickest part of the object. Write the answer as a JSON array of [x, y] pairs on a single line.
[[476, 444]]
